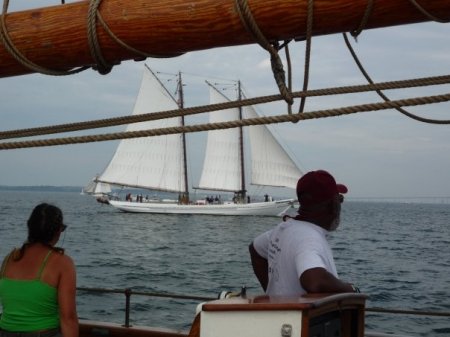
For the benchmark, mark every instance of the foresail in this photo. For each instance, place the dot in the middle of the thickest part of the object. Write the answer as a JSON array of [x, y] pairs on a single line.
[[102, 188], [90, 188], [271, 164], [221, 167], [96, 187], [149, 162]]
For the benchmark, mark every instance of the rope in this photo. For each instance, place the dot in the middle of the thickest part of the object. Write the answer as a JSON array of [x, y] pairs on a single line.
[[277, 66], [18, 56], [227, 125], [426, 13], [411, 83], [355, 33], [382, 95], [309, 24], [102, 66], [289, 71]]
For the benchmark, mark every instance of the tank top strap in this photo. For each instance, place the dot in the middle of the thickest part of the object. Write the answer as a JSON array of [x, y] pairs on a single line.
[[44, 263]]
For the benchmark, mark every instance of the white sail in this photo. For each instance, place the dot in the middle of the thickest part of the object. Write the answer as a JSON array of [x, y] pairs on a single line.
[[221, 167], [97, 188], [157, 163], [90, 188], [150, 162], [102, 188], [271, 164]]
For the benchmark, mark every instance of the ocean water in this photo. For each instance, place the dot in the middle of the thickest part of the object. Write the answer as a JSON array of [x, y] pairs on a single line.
[[397, 253]]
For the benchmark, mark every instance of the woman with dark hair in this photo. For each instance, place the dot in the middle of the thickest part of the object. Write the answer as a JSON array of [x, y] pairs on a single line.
[[38, 282]]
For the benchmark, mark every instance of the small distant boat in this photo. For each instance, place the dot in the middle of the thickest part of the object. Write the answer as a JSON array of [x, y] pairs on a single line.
[[97, 188], [159, 163], [100, 190]]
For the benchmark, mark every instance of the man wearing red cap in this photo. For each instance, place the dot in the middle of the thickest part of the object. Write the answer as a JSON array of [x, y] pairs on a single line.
[[295, 258]]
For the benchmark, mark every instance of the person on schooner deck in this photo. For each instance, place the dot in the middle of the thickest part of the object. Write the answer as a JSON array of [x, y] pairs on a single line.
[[38, 282], [295, 258]]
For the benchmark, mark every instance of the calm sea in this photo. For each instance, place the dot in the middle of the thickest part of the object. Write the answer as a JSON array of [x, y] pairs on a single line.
[[397, 253]]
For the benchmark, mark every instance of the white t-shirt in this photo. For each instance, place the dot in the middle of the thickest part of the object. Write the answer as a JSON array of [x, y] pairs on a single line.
[[291, 248]]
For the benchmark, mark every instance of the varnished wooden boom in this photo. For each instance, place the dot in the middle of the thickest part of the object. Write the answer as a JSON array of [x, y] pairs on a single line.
[[56, 37]]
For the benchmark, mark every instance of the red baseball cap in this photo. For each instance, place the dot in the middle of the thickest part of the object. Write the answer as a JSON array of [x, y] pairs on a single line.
[[318, 186]]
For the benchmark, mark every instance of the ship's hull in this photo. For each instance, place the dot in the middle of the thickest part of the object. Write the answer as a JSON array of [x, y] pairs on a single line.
[[270, 208]]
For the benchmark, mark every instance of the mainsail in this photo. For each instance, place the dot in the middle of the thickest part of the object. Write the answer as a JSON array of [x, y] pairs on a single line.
[[150, 162]]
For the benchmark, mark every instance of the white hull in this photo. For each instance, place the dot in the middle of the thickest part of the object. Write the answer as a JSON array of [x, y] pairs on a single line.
[[270, 208]]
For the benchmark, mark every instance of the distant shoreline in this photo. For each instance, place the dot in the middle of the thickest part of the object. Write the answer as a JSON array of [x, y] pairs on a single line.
[[77, 189], [42, 188]]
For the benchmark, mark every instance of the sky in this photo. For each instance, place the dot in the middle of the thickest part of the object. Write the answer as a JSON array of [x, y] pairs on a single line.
[[376, 154]]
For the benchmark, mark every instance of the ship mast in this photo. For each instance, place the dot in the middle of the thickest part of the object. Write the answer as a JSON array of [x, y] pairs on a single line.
[[241, 149], [185, 197]]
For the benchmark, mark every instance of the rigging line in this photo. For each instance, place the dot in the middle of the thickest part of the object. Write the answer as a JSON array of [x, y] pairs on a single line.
[[61, 128], [355, 33], [228, 125], [426, 13], [382, 95], [289, 71], [251, 26], [309, 25]]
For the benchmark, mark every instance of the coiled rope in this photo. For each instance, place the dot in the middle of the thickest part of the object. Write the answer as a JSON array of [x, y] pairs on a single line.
[[251, 26], [102, 66]]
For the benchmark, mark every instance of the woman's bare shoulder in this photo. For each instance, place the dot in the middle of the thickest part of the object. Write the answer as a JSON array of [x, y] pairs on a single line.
[[64, 260]]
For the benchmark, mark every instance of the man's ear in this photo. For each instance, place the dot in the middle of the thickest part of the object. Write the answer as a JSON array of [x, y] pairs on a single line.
[[333, 207]]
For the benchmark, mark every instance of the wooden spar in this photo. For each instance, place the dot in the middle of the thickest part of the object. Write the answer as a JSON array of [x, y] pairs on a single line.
[[56, 37]]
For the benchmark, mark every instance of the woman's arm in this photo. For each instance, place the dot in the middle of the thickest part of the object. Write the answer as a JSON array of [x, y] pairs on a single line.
[[66, 299]]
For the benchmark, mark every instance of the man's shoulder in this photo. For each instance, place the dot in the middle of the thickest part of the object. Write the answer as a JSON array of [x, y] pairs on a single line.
[[299, 225], [302, 232]]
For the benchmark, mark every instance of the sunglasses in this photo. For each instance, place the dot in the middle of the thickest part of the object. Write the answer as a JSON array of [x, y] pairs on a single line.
[[63, 228], [341, 198]]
